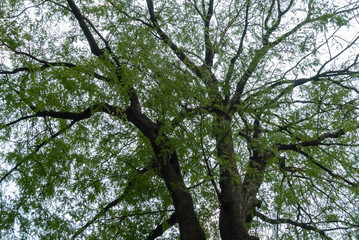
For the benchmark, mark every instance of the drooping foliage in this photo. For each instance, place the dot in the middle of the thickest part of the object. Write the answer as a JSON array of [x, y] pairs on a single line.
[[182, 119]]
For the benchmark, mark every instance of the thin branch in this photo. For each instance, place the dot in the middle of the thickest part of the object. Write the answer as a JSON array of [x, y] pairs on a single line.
[[37, 148], [14, 71], [136, 19], [330, 172], [314, 142], [291, 222], [269, 15], [338, 54], [75, 116], [238, 53], [49, 65], [22, 53], [315, 78], [209, 170], [110, 205], [194, 4], [259, 54], [25, 9], [16, 121], [161, 228], [166, 39]]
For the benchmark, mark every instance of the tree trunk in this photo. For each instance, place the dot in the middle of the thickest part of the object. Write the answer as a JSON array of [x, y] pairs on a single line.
[[233, 216]]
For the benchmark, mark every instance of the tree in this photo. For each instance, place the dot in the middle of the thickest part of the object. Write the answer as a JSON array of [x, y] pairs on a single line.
[[179, 119]]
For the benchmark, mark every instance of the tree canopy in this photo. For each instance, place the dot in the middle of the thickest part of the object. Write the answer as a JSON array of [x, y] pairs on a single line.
[[185, 119]]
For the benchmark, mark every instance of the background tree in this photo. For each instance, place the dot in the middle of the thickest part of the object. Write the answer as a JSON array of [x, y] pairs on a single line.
[[213, 119]]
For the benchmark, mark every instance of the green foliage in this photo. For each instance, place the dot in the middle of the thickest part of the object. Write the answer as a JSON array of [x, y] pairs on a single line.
[[282, 89]]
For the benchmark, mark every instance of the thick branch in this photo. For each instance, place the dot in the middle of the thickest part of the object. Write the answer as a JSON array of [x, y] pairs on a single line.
[[208, 45], [88, 112], [90, 38], [69, 115], [256, 167], [169, 169]]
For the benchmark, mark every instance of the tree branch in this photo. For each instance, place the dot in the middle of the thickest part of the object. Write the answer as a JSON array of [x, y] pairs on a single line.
[[209, 54], [259, 54], [110, 205], [166, 39], [315, 78], [236, 56], [37, 148], [161, 228], [314, 142], [90, 38], [330, 172], [88, 112], [209, 170], [45, 64], [291, 222]]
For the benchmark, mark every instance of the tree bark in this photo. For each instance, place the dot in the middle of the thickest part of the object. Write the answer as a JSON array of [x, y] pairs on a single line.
[[190, 228], [232, 217], [169, 169]]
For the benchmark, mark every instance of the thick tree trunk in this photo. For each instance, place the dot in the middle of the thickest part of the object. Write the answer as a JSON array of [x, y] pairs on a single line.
[[232, 215]]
